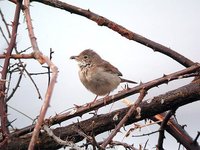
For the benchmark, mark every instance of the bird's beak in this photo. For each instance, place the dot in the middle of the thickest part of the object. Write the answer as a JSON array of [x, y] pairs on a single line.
[[73, 57]]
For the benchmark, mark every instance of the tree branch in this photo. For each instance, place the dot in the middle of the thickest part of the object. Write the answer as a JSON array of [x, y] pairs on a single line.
[[42, 59], [11, 45], [170, 100], [110, 99], [132, 109], [6, 25], [18, 56], [102, 21], [162, 129]]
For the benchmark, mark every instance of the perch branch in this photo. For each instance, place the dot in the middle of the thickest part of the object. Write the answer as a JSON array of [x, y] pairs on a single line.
[[172, 99], [99, 103]]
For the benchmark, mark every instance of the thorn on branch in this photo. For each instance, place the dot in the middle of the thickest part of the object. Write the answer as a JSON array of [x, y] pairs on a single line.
[[195, 140]]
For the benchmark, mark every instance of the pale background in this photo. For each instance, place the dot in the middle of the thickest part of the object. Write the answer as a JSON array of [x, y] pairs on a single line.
[[175, 24]]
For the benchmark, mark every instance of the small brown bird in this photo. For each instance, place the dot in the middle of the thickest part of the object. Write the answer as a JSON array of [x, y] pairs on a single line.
[[96, 74]]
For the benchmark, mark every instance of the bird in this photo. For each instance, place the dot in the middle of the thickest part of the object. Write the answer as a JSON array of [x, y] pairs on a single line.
[[98, 75]]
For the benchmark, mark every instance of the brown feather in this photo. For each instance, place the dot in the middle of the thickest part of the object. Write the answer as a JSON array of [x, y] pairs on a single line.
[[109, 68]]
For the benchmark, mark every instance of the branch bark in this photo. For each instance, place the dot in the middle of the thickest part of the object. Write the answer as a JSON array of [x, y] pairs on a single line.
[[18, 56], [102, 21], [125, 118], [110, 99], [170, 100], [11, 45], [42, 59]]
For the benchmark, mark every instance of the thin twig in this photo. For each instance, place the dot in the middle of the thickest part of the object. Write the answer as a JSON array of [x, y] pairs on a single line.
[[35, 85], [22, 51], [91, 139], [6, 25], [162, 129], [17, 84], [145, 144], [140, 126], [58, 140], [21, 112], [145, 134], [4, 35], [125, 118], [39, 73]]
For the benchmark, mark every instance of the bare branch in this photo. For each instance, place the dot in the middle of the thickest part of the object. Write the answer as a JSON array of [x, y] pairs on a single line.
[[18, 56], [6, 25], [102, 21], [140, 126], [42, 59], [181, 96], [37, 54], [17, 85], [11, 45], [35, 85], [60, 141], [99, 103], [125, 118], [21, 113], [145, 134], [177, 131], [161, 130], [4, 35]]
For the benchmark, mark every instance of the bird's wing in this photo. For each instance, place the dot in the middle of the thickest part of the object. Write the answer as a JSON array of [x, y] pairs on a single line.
[[110, 68]]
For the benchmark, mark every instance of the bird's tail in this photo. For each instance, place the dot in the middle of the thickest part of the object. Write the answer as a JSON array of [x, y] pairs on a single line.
[[129, 81]]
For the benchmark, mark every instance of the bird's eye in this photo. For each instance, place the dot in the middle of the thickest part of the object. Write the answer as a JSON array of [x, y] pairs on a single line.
[[85, 57]]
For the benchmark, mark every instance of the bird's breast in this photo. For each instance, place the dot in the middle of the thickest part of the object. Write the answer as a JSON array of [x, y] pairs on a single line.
[[99, 81]]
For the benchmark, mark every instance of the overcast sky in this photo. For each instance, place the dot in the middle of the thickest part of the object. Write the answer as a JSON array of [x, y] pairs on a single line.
[[175, 24]]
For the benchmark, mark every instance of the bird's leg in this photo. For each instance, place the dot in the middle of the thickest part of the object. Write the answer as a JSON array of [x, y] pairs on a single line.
[[95, 99], [105, 98], [126, 87], [89, 104]]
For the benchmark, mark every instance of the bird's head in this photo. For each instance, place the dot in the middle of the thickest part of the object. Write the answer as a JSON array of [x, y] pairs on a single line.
[[86, 57]]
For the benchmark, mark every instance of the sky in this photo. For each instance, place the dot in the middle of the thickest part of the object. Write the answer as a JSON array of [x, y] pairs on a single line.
[[174, 24]]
